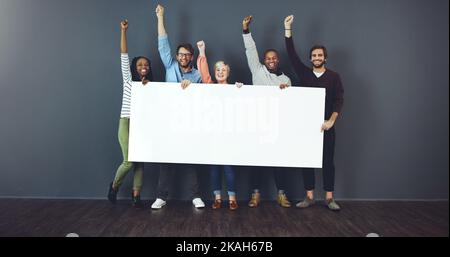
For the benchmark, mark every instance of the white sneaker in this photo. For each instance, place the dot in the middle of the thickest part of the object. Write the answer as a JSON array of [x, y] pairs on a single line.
[[198, 203], [158, 204]]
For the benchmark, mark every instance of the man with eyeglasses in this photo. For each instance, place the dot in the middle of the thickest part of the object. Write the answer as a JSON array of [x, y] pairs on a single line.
[[178, 69]]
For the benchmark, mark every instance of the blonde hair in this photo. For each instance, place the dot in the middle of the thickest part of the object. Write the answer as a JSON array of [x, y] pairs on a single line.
[[219, 63]]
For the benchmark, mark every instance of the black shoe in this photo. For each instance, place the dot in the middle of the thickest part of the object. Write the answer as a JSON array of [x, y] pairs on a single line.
[[112, 194], [137, 203]]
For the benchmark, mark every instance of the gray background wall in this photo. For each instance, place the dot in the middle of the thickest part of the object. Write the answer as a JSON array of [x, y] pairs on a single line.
[[61, 88]]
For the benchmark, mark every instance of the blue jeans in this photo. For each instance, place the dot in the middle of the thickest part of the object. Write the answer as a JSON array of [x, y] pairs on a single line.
[[217, 181]]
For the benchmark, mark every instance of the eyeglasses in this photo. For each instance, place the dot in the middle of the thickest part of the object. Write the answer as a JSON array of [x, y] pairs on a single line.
[[187, 55]]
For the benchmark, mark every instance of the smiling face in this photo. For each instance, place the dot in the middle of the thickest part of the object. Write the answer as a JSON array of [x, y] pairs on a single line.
[[142, 67], [318, 58], [271, 60], [184, 57], [221, 72]]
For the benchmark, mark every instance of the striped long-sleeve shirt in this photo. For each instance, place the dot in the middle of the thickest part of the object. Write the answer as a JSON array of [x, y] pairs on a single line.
[[126, 76]]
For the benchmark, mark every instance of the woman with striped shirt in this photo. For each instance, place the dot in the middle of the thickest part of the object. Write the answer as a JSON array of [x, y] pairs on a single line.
[[139, 71]]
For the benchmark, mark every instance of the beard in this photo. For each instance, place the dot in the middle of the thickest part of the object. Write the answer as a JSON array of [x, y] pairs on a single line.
[[188, 65], [319, 65]]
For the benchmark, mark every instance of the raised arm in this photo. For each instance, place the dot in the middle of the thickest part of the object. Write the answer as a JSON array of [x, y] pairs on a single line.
[[160, 14], [202, 63], [299, 66], [124, 59], [163, 40], [250, 46], [123, 36]]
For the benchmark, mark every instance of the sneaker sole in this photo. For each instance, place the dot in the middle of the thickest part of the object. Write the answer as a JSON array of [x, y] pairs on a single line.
[[158, 208], [304, 207]]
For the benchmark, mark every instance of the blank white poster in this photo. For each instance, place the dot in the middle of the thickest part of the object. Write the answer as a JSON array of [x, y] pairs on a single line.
[[222, 124]]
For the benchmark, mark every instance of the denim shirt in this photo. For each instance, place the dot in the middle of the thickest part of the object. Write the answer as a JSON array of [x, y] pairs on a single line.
[[173, 70]]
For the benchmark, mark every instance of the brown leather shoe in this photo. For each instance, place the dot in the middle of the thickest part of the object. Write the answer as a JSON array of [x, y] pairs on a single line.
[[217, 204], [283, 201], [254, 202], [233, 205]]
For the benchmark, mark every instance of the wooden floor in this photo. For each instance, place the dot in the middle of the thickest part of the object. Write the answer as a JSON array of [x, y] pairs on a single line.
[[92, 218]]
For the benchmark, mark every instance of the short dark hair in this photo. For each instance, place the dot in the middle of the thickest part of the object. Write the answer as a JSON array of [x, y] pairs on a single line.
[[271, 50], [315, 47], [135, 75], [186, 46]]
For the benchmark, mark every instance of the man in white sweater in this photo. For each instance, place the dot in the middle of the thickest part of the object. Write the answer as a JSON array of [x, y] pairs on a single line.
[[267, 73], [270, 75]]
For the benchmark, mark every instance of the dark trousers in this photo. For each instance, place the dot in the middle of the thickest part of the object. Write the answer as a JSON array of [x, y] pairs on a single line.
[[260, 173], [187, 172], [327, 165]]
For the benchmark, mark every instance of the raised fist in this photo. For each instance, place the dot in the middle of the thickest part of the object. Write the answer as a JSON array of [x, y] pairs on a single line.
[[159, 11], [288, 21], [124, 24], [246, 22], [201, 45]]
